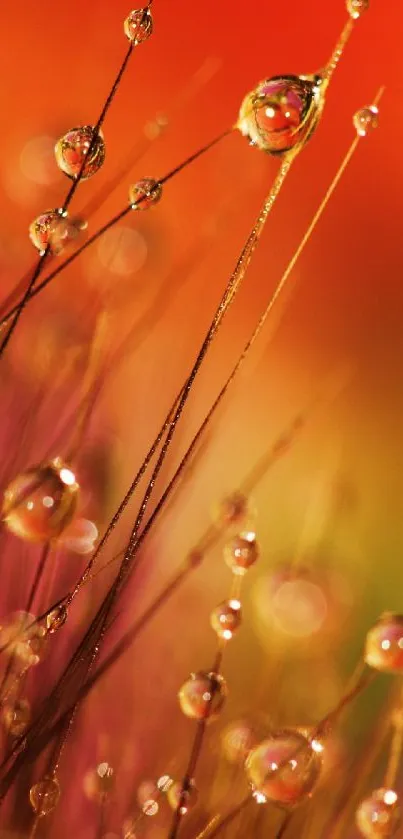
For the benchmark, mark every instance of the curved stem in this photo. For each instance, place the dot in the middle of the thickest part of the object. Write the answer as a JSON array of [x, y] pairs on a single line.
[[40, 264], [196, 750], [32, 292]]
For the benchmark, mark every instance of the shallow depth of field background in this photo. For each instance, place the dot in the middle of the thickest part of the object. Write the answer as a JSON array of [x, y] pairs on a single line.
[[335, 499]]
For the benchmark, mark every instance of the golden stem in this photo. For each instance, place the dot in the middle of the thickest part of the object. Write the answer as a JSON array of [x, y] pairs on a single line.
[[305, 239], [34, 828], [209, 827], [236, 587], [337, 53], [396, 748]]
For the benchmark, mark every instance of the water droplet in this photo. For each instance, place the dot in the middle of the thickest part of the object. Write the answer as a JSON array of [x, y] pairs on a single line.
[[284, 768], [202, 695], [379, 814], [241, 553], [366, 120], [281, 113], [24, 512], [187, 798], [145, 193], [44, 796], [226, 618], [138, 26], [72, 149], [356, 8]]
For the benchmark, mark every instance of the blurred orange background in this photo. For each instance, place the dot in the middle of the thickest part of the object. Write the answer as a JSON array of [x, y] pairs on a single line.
[[336, 498]]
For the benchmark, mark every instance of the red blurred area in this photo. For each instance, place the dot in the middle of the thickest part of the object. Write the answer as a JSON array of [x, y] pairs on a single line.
[[338, 494]]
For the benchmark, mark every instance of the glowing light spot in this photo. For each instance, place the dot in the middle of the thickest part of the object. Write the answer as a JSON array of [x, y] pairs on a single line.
[[150, 807], [227, 634], [385, 644], [390, 797], [67, 476], [48, 501], [235, 604], [80, 536], [299, 608], [122, 251], [317, 747], [259, 797], [164, 783]]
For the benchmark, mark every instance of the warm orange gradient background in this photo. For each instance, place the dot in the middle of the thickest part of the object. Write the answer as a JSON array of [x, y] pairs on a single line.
[[338, 495]]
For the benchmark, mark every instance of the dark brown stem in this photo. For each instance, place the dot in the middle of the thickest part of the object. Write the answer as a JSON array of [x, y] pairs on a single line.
[[38, 576], [31, 598], [49, 730], [88, 650], [40, 264], [284, 825], [98, 126], [33, 292], [195, 751]]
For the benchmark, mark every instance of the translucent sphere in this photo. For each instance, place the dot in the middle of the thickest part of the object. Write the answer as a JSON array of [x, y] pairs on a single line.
[[379, 815], [202, 696], [281, 113], [145, 193], [138, 26], [45, 231], [284, 768], [80, 536], [366, 120], [23, 638], [99, 782], [56, 619], [356, 8], [40, 502], [233, 509], [384, 644], [54, 230], [72, 149], [150, 807], [187, 799], [16, 717], [237, 741], [331, 749], [164, 783], [241, 553], [44, 796], [226, 619], [299, 608]]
